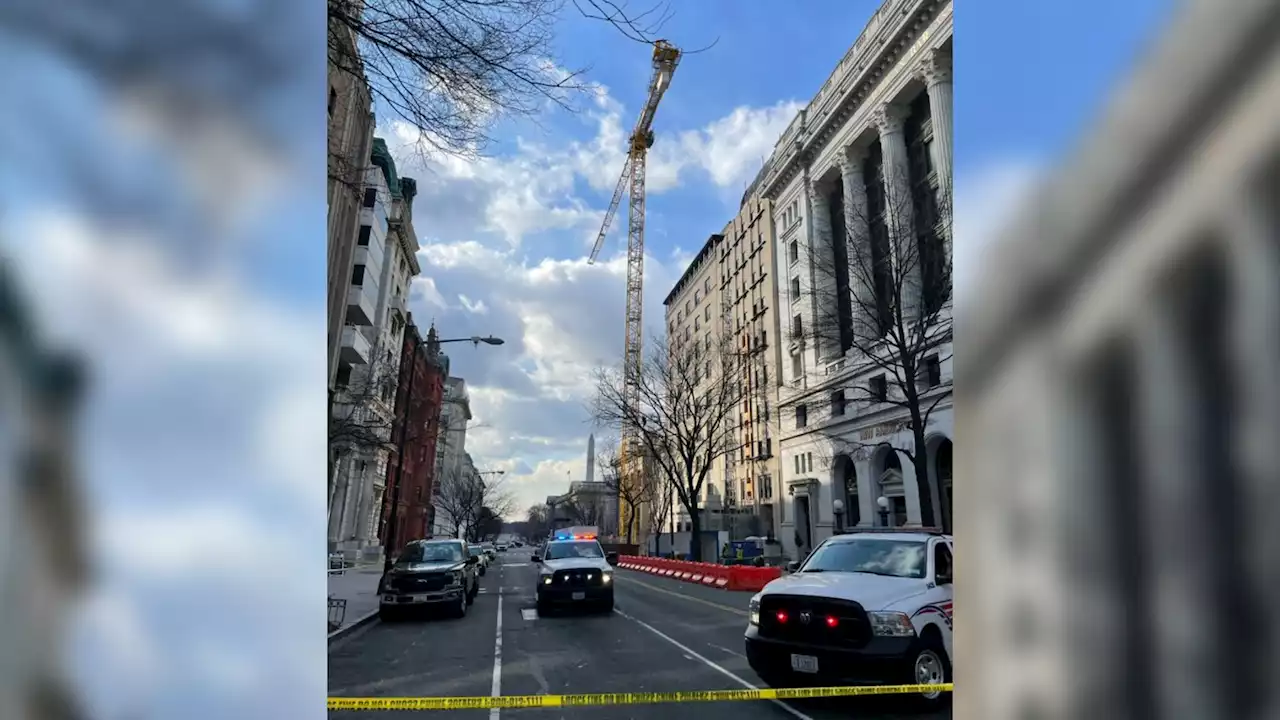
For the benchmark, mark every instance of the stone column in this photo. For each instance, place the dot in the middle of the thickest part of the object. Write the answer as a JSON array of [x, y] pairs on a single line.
[[899, 211], [936, 72], [858, 227], [824, 324]]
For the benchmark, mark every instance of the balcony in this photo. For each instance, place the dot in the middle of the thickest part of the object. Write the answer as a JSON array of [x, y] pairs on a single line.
[[361, 305], [355, 349]]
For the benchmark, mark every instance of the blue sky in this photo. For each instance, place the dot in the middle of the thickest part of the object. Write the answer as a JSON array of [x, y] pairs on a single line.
[[204, 436]]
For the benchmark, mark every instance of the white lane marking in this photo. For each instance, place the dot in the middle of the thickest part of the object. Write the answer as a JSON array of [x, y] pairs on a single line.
[[494, 713], [507, 565], [529, 614], [709, 663], [727, 650], [737, 611]]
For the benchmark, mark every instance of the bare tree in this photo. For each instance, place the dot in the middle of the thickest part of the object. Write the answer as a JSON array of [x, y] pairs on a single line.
[[362, 413], [687, 396], [464, 498], [879, 296], [586, 508], [538, 519], [661, 494], [634, 489], [453, 68]]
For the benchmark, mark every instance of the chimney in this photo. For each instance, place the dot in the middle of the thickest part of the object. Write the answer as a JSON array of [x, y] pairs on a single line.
[[591, 457]]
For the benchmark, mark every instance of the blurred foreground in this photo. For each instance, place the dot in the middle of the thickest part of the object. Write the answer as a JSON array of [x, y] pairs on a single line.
[[1120, 404]]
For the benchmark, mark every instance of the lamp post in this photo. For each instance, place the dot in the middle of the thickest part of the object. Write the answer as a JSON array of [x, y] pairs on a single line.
[[837, 506], [883, 503], [391, 542]]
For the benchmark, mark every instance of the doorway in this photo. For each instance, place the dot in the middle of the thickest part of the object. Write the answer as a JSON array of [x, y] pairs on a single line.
[[804, 534]]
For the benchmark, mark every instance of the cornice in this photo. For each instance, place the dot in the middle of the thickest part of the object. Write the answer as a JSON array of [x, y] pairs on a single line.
[[810, 142]]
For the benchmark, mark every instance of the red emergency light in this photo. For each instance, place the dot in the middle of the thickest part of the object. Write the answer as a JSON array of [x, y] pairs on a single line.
[[584, 537]]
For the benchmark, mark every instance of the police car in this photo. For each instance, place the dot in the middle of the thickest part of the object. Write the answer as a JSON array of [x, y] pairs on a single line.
[[864, 607], [574, 570]]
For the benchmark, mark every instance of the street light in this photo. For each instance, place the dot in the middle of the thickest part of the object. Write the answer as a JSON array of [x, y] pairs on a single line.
[[837, 505], [883, 502], [475, 340]]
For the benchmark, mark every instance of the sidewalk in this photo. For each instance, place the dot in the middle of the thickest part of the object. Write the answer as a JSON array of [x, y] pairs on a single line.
[[359, 587]]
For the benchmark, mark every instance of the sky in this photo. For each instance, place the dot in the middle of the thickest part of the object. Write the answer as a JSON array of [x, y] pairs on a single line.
[[505, 238], [177, 244]]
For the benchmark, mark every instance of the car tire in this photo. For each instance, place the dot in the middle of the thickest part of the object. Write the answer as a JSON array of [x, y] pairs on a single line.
[[471, 596], [387, 614], [606, 605], [930, 665], [460, 610], [544, 608]]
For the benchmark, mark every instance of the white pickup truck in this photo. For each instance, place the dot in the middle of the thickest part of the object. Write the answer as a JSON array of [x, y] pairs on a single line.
[[864, 607]]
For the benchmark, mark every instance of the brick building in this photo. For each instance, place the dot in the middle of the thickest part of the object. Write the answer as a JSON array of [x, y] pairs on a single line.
[[419, 397]]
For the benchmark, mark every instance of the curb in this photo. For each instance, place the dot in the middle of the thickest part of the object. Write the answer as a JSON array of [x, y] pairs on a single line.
[[357, 623]]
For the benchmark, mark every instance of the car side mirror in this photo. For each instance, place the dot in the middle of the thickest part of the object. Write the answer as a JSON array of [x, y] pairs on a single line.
[[473, 560], [793, 566], [535, 557], [611, 558], [943, 578]]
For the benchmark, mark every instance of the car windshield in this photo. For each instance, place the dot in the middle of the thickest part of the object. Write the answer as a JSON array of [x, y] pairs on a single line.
[[562, 550], [432, 552], [895, 558]]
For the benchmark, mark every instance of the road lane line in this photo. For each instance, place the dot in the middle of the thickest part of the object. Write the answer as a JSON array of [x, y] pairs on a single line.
[[496, 691], [718, 606], [709, 663]]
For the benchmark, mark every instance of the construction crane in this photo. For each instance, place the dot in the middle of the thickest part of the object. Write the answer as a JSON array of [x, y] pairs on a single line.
[[665, 58]]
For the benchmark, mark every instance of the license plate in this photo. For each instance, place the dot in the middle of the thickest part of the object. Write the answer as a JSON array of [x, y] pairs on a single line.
[[804, 663], [580, 596], [404, 599]]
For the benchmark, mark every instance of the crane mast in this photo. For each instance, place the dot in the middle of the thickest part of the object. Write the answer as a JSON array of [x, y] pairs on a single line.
[[665, 59]]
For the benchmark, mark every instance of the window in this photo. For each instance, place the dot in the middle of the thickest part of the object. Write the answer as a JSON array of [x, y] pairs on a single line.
[[930, 372], [802, 416], [708, 368], [357, 275], [706, 286], [344, 376], [363, 239], [764, 338], [707, 314], [879, 388], [333, 100], [797, 366], [837, 403], [688, 306], [795, 289], [808, 461], [697, 296], [370, 197], [797, 328], [793, 252], [697, 323], [798, 470], [708, 342], [942, 562]]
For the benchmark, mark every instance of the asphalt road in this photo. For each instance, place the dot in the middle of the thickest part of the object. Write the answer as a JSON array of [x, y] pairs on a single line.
[[663, 636]]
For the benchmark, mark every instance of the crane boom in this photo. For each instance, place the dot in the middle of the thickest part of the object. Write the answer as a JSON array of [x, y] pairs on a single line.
[[665, 58]]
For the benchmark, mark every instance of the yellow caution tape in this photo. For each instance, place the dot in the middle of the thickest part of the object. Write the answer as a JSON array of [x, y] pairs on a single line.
[[538, 701]]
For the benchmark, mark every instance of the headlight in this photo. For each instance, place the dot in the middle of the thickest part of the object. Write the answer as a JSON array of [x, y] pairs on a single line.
[[546, 579], [891, 624], [754, 611], [606, 578], [456, 577]]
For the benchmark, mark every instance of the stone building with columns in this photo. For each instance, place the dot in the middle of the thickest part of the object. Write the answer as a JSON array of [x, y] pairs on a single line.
[[869, 156]]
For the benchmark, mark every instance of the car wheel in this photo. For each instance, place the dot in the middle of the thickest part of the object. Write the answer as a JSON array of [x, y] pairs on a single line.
[[930, 666], [388, 614], [460, 610], [544, 608], [471, 596], [606, 605]]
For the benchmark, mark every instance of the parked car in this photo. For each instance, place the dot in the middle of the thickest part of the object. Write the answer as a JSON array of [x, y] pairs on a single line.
[[430, 574], [489, 550], [479, 552]]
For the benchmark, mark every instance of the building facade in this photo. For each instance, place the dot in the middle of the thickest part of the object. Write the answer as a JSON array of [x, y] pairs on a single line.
[[1121, 397], [45, 566], [419, 399], [365, 384], [868, 160], [452, 444], [350, 144]]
